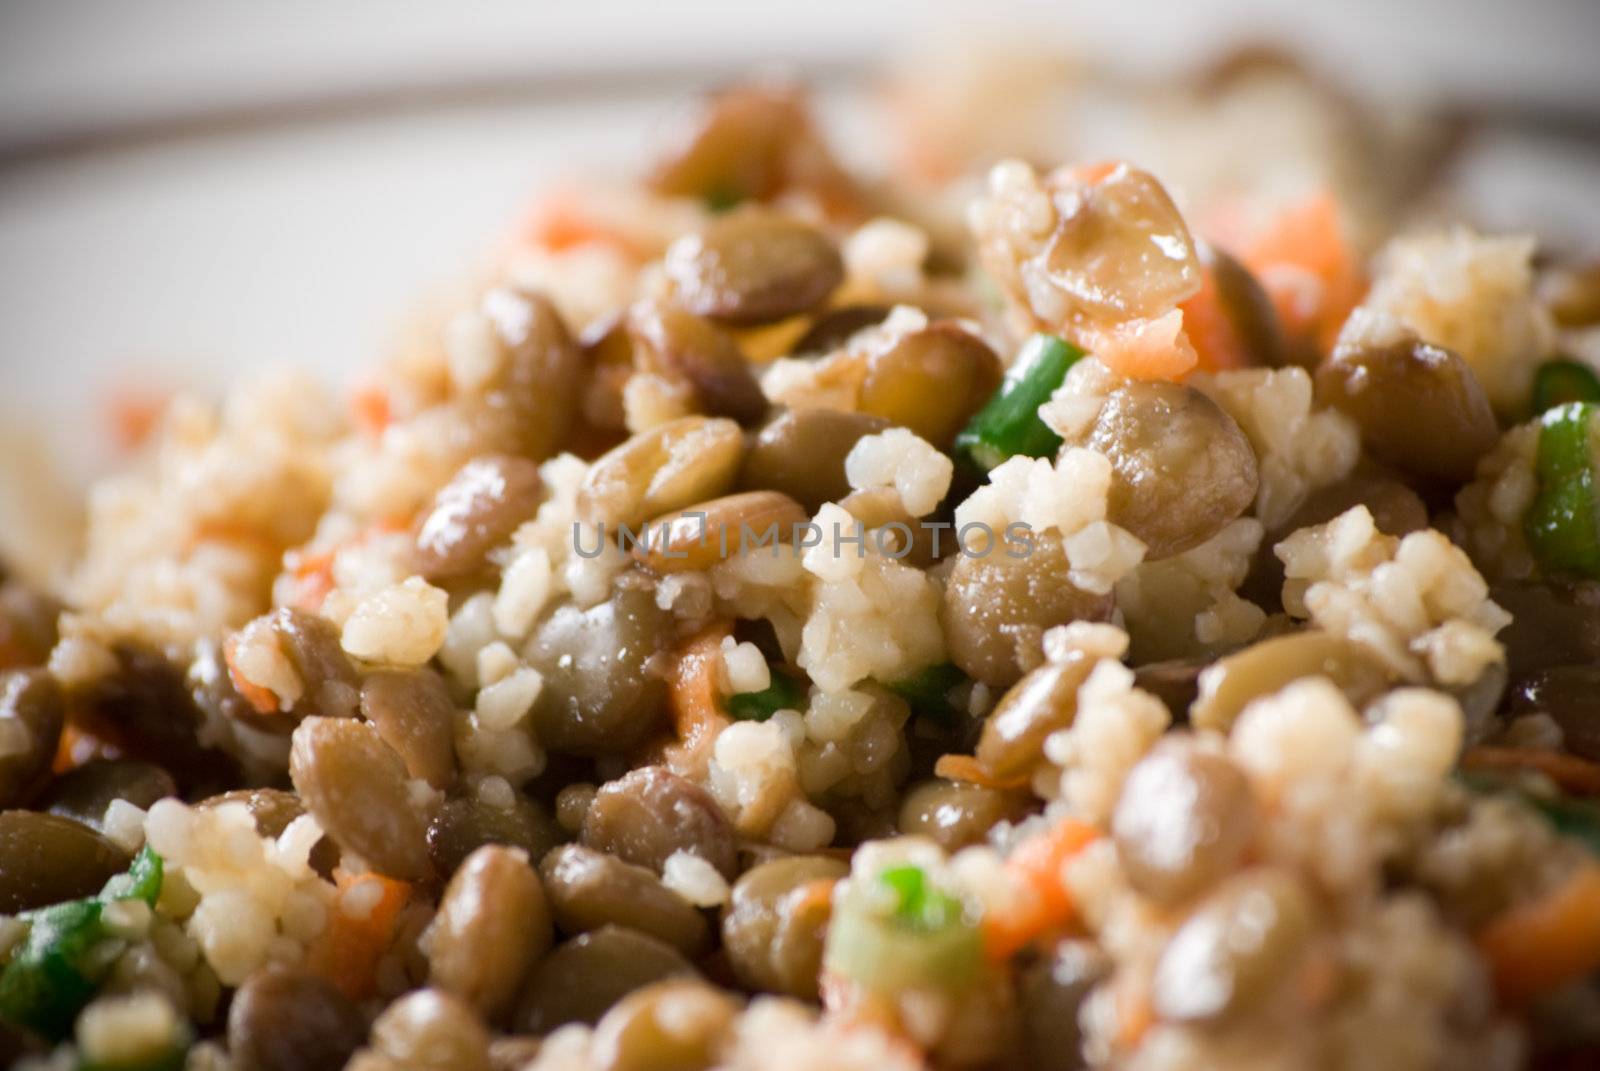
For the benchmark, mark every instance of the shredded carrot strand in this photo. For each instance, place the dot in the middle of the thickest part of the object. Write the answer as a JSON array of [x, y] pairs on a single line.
[[692, 685], [1538, 947], [1044, 903], [968, 769], [263, 700], [76, 747], [1576, 775], [349, 949], [370, 409]]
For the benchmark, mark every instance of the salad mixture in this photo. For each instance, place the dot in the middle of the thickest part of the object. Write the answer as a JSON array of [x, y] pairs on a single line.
[[1007, 611]]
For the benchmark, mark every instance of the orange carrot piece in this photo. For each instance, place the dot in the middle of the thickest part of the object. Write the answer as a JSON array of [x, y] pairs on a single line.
[[348, 951], [966, 768], [1034, 868], [1144, 349], [78, 746], [264, 700], [1096, 171], [692, 686], [559, 223], [1576, 775], [1217, 345], [1537, 947], [370, 410], [808, 897], [1307, 268], [134, 413], [313, 579]]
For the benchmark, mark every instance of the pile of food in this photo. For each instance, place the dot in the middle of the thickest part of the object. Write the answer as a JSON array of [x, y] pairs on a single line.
[[791, 620]]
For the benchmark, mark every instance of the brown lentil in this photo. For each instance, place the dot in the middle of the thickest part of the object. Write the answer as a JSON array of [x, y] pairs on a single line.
[[589, 889], [753, 266], [997, 608], [583, 977], [413, 712], [355, 785], [493, 925], [477, 510], [285, 1018], [801, 453]]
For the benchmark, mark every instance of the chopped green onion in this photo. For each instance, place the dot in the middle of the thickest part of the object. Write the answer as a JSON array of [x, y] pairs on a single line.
[[919, 906], [45, 985], [928, 691], [142, 881], [1561, 381], [1563, 525], [784, 693], [925, 941], [1008, 425], [50, 977]]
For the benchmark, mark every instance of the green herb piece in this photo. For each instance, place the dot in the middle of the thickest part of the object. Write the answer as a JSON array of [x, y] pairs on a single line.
[[784, 693], [141, 881], [1008, 425], [1563, 524], [52, 976], [1561, 381], [926, 939], [928, 691]]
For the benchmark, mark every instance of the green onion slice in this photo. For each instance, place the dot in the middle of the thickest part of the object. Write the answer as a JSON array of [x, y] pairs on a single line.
[[926, 940], [928, 691], [50, 977], [1008, 425], [784, 693], [1563, 525], [1561, 381]]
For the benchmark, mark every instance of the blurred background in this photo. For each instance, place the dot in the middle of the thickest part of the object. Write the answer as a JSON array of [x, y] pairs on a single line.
[[192, 187]]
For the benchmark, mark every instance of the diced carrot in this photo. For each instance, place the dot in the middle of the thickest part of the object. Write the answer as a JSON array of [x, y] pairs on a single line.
[[697, 716], [81, 743], [1043, 902], [1096, 171], [559, 222], [313, 579], [1143, 349], [370, 410], [312, 571], [134, 414], [1217, 345], [1307, 268], [692, 685], [1576, 775], [264, 700], [808, 897], [349, 948], [966, 768], [1538, 947]]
